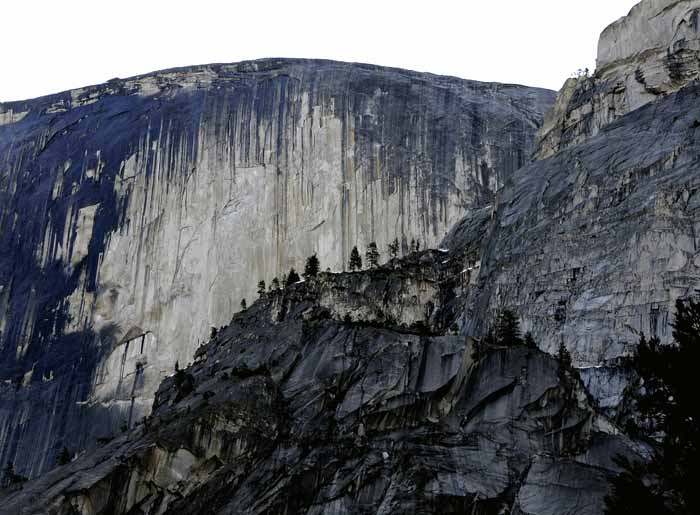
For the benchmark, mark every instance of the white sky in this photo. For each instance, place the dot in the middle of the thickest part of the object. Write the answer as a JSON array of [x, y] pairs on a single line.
[[49, 46]]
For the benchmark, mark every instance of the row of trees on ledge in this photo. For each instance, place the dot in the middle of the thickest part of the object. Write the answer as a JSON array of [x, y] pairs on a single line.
[[313, 266]]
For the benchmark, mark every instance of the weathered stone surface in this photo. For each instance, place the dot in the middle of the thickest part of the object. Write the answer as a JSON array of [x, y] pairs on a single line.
[[290, 410], [137, 214], [651, 52], [594, 245]]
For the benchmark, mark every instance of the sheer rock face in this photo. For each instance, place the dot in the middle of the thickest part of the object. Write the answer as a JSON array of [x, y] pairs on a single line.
[[290, 410], [594, 245], [651, 52], [137, 214]]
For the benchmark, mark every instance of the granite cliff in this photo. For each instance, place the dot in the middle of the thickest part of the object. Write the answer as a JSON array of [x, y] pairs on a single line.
[[593, 244], [136, 214], [373, 391], [644, 56], [293, 408]]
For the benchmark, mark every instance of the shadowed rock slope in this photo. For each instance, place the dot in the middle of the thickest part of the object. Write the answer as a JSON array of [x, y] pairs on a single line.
[[136, 214], [290, 409]]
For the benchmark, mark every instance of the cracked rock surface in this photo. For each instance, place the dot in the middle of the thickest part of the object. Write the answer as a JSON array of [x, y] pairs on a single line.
[[291, 410], [136, 214]]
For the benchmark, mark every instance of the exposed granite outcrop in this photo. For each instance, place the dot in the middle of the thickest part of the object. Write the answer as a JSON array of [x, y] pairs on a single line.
[[291, 410], [593, 246], [651, 52], [136, 214]]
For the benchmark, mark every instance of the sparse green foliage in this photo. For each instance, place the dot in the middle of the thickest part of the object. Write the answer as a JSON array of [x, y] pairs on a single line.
[[394, 248], [355, 260], [292, 277], [261, 288], [313, 265], [581, 73], [372, 255]]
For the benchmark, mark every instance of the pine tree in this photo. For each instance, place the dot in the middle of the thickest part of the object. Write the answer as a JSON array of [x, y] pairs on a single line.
[[63, 457], [355, 260], [244, 305], [275, 285], [261, 288], [414, 246], [530, 341], [507, 329], [668, 406], [565, 365], [292, 277], [394, 248], [313, 265], [372, 255]]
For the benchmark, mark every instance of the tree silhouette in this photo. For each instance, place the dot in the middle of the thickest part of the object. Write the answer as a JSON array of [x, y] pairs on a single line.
[[394, 248], [355, 260], [275, 285], [244, 305], [261, 288], [313, 265], [292, 277], [63, 457], [668, 406], [372, 255], [10, 476], [507, 329], [530, 341], [565, 365]]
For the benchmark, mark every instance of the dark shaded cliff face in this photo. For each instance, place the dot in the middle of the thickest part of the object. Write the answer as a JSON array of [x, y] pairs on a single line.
[[136, 214], [291, 410]]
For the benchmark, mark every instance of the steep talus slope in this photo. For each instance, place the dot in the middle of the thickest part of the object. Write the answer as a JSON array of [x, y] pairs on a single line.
[[292, 410], [651, 52], [136, 214]]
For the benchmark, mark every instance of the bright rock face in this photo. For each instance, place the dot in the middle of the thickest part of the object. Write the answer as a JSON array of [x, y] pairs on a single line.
[[653, 51], [137, 214], [594, 245]]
